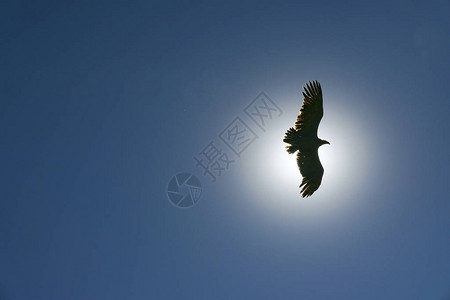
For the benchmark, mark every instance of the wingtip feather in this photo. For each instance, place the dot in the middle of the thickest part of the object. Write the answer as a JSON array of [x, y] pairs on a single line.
[[312, 89]]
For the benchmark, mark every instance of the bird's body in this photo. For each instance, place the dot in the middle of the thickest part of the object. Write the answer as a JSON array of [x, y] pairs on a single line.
[[303, 139]]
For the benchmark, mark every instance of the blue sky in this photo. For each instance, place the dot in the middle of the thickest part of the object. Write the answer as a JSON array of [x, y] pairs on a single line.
[[102, 103]]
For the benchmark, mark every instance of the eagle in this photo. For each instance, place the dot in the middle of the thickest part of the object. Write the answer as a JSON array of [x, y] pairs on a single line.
[[303, 139]]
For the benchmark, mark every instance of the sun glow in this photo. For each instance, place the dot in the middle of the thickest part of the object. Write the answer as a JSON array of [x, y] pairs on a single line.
[[273, 177]]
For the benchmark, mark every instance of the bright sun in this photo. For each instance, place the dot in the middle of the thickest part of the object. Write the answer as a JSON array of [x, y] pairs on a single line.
[[273, 177]]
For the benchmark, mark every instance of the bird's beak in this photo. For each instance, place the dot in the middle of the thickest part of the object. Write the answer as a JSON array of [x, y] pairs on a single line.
[[327, 142]]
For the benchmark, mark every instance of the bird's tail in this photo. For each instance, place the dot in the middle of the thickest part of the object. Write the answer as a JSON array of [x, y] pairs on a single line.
[[290, 138]]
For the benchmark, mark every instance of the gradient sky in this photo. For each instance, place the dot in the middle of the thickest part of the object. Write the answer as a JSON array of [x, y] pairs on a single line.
[[102, 103]]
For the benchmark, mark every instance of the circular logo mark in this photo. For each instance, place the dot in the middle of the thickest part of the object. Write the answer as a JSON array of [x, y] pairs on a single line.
[[184, 190]]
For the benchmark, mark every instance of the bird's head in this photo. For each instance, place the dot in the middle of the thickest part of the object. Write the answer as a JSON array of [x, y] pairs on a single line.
[[323, 142]]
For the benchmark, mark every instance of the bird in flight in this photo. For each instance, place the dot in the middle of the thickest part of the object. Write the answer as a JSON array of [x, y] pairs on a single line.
[[304, 139]]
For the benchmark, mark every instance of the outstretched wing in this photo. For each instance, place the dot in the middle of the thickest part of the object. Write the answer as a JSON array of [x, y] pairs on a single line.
[[311, 170], [312, 110]]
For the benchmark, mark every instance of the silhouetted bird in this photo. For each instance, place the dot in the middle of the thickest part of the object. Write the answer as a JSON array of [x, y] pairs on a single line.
[[304, 139]]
